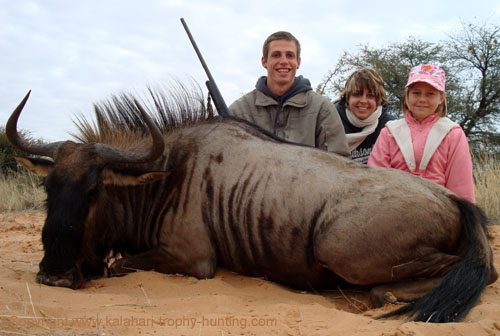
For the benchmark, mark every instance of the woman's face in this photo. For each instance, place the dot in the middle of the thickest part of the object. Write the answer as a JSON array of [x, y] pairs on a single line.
[[362, 103], [423, 100]]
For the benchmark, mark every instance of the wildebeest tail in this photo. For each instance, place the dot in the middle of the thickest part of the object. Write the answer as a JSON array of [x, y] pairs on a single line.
[[460, 288]]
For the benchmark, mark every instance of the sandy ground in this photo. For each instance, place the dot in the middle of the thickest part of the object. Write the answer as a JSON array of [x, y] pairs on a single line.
[[149, 303]]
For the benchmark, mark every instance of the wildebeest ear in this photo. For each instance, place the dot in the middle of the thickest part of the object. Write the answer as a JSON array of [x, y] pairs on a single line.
[[110, 176], [37, 166]]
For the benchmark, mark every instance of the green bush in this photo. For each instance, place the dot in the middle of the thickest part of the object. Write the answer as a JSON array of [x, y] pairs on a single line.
[[8, 164]]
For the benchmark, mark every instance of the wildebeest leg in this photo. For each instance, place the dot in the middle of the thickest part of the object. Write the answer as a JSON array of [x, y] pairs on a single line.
[[402, 291], [404, 282], [161, 260], [357, 268]]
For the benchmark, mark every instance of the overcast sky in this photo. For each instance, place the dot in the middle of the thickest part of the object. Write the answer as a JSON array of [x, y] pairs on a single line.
[[74, 53]]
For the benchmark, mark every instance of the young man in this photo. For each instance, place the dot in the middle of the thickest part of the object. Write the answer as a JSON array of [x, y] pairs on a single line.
[[286, 105]]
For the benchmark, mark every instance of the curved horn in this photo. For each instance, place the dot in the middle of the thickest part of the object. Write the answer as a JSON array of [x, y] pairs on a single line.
[[18, 142], [110, 154]]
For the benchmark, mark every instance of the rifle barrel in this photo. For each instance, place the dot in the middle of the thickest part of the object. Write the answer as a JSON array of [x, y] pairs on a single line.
[[195, 46], [219, 102]]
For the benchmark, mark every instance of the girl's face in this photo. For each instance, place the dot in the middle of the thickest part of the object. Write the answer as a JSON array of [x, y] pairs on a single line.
[[423, 100], [362, 103]]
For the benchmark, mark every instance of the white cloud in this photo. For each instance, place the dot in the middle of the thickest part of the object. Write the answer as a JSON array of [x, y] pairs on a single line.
[[72, 54]]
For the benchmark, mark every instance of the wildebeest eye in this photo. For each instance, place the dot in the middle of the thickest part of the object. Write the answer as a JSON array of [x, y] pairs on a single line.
[[92, 179]]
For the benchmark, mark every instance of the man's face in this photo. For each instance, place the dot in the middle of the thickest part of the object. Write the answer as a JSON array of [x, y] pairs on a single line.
[[281, 63]]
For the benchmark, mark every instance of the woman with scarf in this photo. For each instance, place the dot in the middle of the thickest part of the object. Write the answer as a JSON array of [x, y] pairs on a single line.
[[362, 107]]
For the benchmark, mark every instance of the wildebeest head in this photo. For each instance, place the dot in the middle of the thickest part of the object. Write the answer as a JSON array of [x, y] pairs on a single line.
[[74, 180]]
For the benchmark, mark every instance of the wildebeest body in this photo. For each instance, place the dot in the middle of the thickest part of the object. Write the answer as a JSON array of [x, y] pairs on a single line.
[[237, 198], [269, 214], [252, 217]]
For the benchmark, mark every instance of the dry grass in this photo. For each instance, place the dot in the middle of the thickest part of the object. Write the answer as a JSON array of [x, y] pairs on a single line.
[[487, 184], [20, 192]]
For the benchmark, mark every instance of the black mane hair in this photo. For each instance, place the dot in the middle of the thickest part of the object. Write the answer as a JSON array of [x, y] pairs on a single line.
[[119, 116], [118, 120]]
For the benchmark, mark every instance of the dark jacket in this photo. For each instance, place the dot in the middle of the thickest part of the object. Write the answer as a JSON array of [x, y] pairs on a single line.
[[362, 152]]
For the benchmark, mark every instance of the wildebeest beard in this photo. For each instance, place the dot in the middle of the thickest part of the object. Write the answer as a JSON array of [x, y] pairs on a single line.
[[68, 204]]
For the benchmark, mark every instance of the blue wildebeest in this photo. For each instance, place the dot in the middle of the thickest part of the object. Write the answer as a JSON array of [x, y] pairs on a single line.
[[186, 194]]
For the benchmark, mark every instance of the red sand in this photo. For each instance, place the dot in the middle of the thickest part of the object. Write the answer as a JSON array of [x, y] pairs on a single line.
[[150, 303]]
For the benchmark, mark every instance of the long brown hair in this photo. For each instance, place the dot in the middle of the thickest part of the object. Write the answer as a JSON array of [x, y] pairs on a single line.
[[368, 78]]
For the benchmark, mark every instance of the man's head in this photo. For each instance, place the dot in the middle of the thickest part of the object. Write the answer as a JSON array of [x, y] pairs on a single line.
[[281, 35], [281, 58]]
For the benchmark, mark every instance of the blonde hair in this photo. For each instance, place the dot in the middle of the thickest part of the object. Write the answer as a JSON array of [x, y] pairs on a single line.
[[368, 78], [442, 108]]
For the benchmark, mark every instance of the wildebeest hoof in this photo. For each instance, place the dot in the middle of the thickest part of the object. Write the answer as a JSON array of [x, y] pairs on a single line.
[[389, 297], [119, 268], [380, 296]]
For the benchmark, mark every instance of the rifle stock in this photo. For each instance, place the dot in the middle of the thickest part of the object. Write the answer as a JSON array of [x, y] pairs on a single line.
[[213, 90]]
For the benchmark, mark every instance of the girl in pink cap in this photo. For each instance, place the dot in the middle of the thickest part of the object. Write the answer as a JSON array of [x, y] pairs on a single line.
[[426, 143]]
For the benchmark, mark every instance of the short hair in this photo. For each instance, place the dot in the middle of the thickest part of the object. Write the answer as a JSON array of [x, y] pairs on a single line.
[[442, 108], [368, 78], [280, 35]]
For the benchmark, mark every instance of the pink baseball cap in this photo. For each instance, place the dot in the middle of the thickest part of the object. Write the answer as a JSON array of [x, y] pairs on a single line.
[[429, 74]]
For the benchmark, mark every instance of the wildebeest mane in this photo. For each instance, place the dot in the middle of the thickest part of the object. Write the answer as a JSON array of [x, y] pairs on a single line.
[[118, 120]]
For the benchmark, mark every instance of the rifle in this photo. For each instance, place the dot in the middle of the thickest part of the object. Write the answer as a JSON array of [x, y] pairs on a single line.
[[213, 90]]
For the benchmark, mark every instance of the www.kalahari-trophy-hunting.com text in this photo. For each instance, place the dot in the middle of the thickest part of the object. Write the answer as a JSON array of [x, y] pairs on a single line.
[[152, 321]]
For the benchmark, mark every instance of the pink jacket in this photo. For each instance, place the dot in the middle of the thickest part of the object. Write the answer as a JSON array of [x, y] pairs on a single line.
[[450, 165]]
